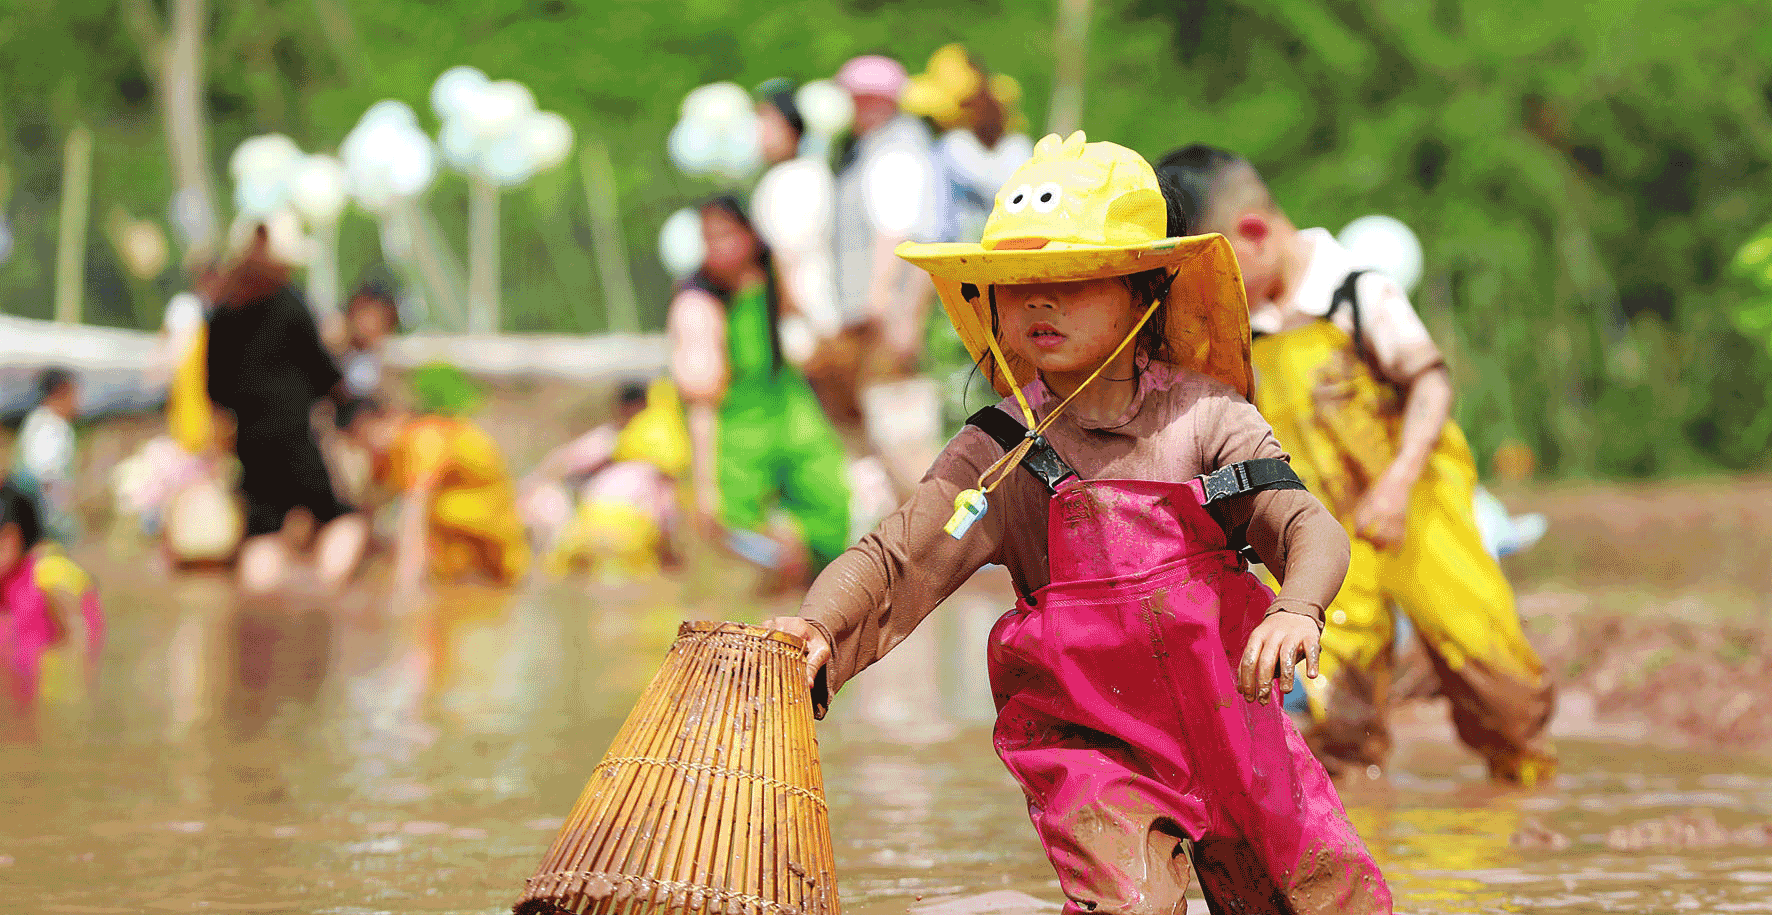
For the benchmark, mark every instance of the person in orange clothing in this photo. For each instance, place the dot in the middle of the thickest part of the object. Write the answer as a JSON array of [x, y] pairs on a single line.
[[458, 518]]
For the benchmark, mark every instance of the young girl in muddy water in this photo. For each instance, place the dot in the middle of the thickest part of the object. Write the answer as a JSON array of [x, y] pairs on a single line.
[[1117, 674], [42, 592]]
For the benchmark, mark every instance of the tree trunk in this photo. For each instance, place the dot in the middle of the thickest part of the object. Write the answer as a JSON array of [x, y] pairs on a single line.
[[619, 302], [1070, 48], [187, 126], [483, 278], [70, 246]]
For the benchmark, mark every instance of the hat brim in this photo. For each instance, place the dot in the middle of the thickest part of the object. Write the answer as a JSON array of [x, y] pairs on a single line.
[[1208, 316], [1057, 262]]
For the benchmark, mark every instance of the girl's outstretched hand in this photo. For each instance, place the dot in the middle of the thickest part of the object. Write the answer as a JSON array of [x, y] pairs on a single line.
[[1275, 648], [818, 651]]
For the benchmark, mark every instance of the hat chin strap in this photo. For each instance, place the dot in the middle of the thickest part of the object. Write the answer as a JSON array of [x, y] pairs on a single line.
[[1037, 427]]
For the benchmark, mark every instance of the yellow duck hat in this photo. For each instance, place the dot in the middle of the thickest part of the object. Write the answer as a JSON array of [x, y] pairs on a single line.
[[1082, 211]]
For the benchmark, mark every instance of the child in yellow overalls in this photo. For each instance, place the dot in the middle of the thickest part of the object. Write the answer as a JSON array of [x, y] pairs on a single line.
[[459, 516], [625, 476], [1359, 395]]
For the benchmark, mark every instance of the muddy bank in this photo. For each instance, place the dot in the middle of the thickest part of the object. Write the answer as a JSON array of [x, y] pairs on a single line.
[[1678, 676], [1650, 605]]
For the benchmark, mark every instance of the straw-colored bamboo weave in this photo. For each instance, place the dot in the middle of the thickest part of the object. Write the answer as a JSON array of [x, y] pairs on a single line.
[[710, 799]]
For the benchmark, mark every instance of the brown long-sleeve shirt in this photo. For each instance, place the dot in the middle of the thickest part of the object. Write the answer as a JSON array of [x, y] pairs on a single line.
[[1179, 425]]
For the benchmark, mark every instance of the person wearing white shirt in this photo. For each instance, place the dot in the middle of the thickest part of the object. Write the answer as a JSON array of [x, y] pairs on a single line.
[[43, 463]]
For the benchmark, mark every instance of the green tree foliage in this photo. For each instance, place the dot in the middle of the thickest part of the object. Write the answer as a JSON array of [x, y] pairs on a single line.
[[1580, 174]]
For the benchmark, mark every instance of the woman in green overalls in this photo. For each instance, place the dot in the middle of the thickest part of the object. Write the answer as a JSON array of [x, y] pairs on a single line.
[[766, 460]]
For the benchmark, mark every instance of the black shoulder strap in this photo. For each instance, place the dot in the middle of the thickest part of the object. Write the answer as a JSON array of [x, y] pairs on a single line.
[[1347, 293], [1041, 460], [1245, 477], [1239, 479]]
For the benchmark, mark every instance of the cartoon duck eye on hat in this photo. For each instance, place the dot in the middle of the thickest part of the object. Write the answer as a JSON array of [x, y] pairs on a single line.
[[1082, 211]]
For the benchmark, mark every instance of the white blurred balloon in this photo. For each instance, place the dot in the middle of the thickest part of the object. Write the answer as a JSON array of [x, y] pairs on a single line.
[[265, 154], [1384, 243], [387, 156], [412, 165], [318, 190], [498, 108], [458, 145], [826, 108], [693, 147], [548, 138], [508, 162], [739, 153], [454, 90], [898, 190], [718, 105], [493, 129], [390, 111], [259, 195], [680, 244]]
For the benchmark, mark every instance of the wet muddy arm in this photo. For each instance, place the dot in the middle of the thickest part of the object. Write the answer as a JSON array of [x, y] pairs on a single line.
[[873, 595], [1295, 536], [1303, 545], [1427, 405]]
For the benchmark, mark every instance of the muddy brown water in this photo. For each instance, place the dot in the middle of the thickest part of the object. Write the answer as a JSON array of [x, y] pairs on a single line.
[[359, 758]]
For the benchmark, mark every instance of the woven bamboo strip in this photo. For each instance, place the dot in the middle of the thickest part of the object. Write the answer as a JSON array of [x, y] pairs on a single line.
[[734, 852], [761, 868], [781, 829], [660, 857], [697, 851], [720, 867], [821, 867]]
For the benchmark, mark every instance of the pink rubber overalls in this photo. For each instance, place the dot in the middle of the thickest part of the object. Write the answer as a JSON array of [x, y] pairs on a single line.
[[1118, 713], [28, 629]]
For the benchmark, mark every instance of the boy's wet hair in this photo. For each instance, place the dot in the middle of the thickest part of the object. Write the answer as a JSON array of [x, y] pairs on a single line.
[[1199, 176], [17, 507], [51, 380]]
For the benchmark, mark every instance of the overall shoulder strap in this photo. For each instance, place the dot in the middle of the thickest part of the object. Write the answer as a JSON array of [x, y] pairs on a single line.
[[1241, 479], [1245, 477], [1041, 460], [1348, 294]]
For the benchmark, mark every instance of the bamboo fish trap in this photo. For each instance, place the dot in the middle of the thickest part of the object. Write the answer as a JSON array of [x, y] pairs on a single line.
[[710, 800]]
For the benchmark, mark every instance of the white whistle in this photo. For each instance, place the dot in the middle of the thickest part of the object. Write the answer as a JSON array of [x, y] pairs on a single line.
[[969, 506]]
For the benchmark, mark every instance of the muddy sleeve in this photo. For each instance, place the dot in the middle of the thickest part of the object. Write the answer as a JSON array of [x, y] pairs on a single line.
[[874, 594], [1295, 536], [1393, 333]]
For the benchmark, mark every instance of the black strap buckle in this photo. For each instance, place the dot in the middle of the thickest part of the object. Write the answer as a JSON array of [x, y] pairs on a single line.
[[1245, 477], [1041, 460]]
